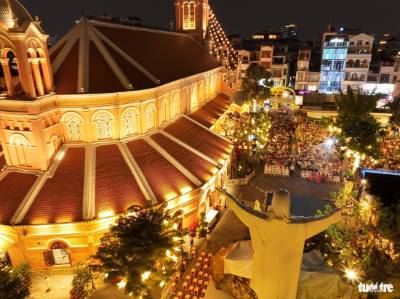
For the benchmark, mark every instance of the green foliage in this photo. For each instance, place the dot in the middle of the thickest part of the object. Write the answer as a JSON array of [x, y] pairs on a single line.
[[14, 284], [251, 83], [360, 130], [394, 107], [138, 243], [203, 225], [82, 283], [367, 238], [326, 211]]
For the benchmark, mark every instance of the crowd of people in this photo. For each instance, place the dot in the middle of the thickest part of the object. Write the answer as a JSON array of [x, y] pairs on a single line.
[[390, 155], [278, 156], [317, 158], [297, 142]]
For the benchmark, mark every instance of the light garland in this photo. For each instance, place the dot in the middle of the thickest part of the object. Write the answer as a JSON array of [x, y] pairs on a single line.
[[222, 48]]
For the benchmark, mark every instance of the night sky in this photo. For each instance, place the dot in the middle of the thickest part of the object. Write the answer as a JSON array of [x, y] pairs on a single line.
[[243, 17]]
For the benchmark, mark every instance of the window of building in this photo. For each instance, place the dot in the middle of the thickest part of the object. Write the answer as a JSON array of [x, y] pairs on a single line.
[[150, 117], [175, 105], [130, 121], [385, 78], [104, 124], [57, 255], [73, 123], [189, 15], [163, 111]]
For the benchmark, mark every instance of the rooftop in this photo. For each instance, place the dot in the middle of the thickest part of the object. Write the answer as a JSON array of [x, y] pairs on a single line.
[[103, 57]]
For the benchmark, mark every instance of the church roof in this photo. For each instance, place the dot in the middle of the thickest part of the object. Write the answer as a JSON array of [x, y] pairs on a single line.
[[101, 57], [95, 181], [13, 14], [211, 111]]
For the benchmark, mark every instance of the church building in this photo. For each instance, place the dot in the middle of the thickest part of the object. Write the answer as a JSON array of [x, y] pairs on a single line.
[[109, 118]]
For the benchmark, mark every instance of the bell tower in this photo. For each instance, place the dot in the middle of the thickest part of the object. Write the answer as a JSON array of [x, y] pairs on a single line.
[[192, 17], [30, 137], [24, 54]]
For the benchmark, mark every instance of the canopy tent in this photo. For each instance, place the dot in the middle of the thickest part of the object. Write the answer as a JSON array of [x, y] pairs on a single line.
[[317, 281], [239, 260]]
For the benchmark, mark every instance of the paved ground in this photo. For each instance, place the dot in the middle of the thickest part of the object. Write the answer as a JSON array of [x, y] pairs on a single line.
[[58, 287], [306, 197]]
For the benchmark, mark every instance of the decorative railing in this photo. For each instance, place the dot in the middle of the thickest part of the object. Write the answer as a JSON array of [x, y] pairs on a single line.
[[242, 181]]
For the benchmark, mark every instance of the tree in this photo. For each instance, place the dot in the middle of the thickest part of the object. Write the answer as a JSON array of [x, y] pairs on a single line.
[[82, 283], [367, 239], [359, 129], [15, 283], [394, 107], [139, 251], [257, 83]]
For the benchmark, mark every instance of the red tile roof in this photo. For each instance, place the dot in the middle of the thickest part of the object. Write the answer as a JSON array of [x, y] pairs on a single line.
[[165, 180], [116, 187], [158, 57], [201, 168], [199, 138], [60, 199], [211, 111], [102, 78], [13, 189], [66, 78], [168, 56]]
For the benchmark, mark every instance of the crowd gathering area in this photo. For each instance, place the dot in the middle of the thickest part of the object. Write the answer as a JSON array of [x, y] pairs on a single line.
[[298, 145], [301, 146]]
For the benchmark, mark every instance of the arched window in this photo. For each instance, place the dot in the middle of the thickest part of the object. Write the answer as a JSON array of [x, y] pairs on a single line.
[[57, 254], [193, 99], [18, 149], [163, 111], [104, 124], [10, 70], [150, 117], [130, 121], [357, 64], [175, 105], [350, 63], [189, 15], [364, 63], [73, 123]]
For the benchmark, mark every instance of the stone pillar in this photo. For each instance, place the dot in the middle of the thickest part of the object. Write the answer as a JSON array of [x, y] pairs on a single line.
[[46, 75], [8, 77], [37, 76]]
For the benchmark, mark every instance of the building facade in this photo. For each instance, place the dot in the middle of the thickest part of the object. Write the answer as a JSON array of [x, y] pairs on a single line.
[[334, 56], [307, 79], [358, 61]]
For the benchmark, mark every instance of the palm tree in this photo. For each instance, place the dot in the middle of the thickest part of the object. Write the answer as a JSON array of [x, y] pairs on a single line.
[[360, 130], [257, 83]]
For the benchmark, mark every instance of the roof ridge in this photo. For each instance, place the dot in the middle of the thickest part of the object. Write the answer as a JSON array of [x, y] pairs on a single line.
[[115, 25], [126, 56]]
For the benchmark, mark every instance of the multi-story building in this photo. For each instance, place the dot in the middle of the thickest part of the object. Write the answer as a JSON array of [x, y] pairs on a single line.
[[308, 71], [334, 56], [358, 61], [280, 66], [273, 58]]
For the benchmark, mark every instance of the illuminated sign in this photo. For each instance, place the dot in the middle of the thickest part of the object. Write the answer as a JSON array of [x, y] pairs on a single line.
[[374, 88]]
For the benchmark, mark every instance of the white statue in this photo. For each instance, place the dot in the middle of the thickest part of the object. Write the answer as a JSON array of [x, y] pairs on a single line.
[[278, 243]]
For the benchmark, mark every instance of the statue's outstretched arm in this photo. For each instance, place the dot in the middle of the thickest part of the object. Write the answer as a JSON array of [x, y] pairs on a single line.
[[239, 210], [313, 228]]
